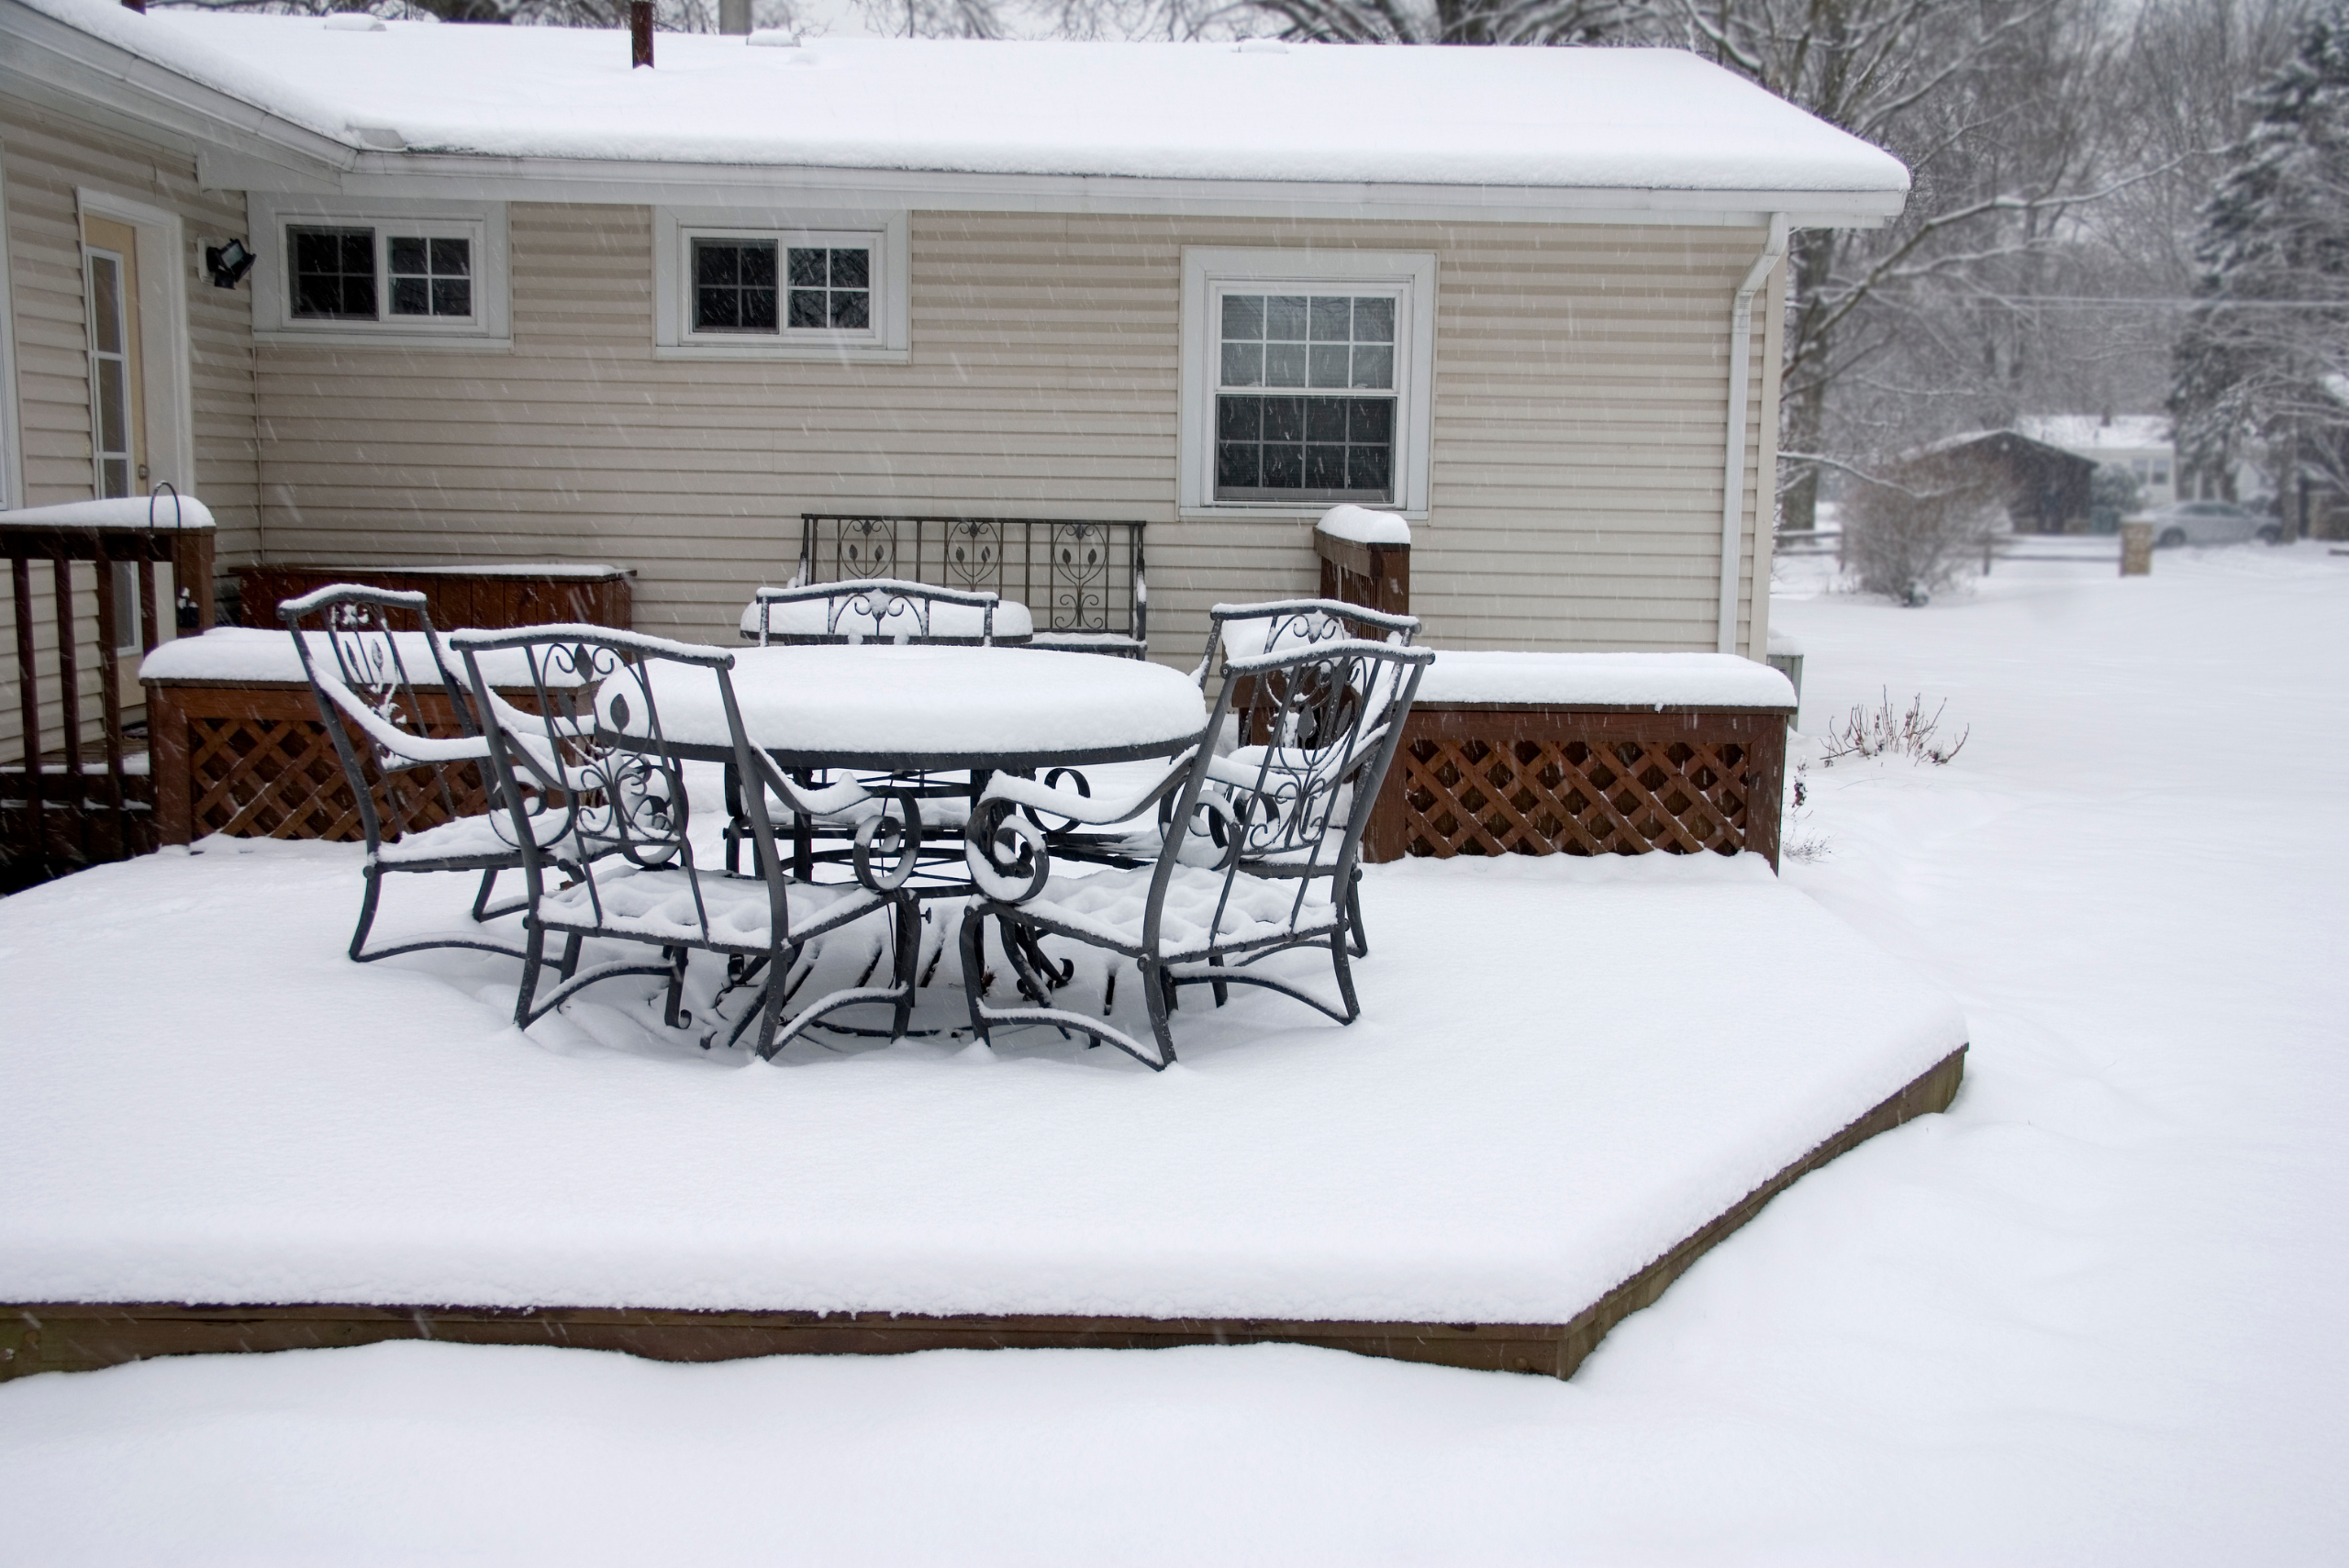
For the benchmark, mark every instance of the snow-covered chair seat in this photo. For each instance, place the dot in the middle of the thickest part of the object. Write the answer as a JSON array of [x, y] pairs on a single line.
[[591, 749], [1199, 911], [679, 905], [1256, 845]]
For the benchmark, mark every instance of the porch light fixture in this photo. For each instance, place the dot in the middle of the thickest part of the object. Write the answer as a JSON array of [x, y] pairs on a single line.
[[228, 263]]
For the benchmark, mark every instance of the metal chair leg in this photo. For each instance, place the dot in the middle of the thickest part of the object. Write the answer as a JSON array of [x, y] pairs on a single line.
[[1158, 991], [533, 954], [481, 899], [1338, 960], [374, 877], [973, 948], [905, 918], [1357, 938]]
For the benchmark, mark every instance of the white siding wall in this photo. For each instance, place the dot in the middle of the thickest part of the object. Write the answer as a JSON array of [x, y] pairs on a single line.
[[48, 157], [1580, 400]]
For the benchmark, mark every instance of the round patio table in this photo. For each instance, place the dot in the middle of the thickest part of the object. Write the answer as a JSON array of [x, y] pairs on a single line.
[[926, 708]]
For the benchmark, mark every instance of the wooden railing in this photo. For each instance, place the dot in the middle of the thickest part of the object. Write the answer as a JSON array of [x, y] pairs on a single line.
[[1375, 576], [62, 808], [492, 597]]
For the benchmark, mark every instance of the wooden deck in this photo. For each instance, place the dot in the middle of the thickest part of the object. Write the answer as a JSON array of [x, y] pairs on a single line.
[[64, 1337]]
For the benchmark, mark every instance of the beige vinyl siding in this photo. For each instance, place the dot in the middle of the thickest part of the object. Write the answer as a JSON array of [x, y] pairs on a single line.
[[48, 157], [1580, 398]]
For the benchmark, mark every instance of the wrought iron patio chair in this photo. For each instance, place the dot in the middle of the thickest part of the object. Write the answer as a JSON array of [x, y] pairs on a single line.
[[425, 803], [1259, 850], [597, 749], [875, 609], [1280, 624], [880, 609]]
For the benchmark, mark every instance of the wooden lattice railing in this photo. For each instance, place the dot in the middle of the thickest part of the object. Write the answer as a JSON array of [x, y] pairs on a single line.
[[253, 760], [71, 797], [1492, 781]]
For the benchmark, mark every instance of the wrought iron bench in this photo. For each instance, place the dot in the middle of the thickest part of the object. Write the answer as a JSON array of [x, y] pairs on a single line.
[[1080, 578]]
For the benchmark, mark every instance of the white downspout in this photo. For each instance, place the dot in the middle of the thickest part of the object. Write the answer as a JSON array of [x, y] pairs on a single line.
[[1741, 356]]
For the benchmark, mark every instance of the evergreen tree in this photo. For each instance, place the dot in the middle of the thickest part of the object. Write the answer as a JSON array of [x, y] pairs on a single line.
[[2264, 363]]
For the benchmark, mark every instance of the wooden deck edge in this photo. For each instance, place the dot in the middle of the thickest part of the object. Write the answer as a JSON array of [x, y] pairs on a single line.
[[64, 1337]]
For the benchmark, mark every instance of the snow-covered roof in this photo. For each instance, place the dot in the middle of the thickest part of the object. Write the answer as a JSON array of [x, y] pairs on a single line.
[[2091, 433], [1633, 120]]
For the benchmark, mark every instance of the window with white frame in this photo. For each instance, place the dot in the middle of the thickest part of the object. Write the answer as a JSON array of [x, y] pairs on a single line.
[[748, 284], [414, 272], [1306, 379]]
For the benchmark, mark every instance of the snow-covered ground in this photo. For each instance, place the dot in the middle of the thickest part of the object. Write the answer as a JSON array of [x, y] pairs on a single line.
[[2091, 1315]]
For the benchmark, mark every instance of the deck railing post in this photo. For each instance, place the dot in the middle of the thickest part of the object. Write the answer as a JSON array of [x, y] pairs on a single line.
[[110, 688], [28, 698], [68, 691], [192, 572]]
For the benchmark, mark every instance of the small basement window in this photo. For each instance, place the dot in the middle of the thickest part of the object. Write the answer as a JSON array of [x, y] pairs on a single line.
[[380, 274], [750, 287], [420, 277]]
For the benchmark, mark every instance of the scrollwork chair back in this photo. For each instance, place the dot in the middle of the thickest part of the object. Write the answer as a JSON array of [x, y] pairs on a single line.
[[877, 609]]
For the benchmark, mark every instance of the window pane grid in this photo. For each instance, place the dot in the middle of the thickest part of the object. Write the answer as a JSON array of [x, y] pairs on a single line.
[[734, 286], [831, 289], [334, 273], [1275, 443], [430, 276]]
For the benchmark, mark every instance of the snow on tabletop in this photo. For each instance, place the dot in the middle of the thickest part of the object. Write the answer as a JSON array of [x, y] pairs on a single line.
[[1629, 119], [805, 617], [249, 653], [879, 699], [1286, 1167], [122, 512], [1608, 680], [1363, 526]]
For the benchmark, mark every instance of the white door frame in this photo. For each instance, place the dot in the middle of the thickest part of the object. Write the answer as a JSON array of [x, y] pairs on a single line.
[[12, 429], [164, 355]]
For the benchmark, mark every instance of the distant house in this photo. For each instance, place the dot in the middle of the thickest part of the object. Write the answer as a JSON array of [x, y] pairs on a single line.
[[2138, 443], [512, 300], [2043, 488]]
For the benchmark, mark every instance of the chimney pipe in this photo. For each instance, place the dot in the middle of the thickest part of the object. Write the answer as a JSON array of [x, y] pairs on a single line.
[[640, 33], [734, 16]]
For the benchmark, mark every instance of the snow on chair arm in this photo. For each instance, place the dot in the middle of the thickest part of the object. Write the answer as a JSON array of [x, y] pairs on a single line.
[[398, 744]]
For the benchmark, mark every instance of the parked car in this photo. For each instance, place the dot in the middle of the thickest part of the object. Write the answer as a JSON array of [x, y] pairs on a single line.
[[2207, 522]]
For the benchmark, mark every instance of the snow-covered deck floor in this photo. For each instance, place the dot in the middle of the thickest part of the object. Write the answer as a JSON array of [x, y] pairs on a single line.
[[1566, 1067]]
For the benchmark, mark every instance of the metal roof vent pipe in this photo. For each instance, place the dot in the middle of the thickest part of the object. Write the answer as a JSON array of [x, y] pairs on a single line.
[[640, 33], [734, 16]]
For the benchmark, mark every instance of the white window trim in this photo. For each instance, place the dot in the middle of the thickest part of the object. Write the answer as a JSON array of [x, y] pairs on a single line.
[[491, 327], [1305, 270], [165, 264], [888, 342]]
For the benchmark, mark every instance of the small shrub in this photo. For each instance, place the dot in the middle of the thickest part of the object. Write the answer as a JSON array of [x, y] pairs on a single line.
[[1880, 732], [1797, 844], [2113, 494], [1910, 540]]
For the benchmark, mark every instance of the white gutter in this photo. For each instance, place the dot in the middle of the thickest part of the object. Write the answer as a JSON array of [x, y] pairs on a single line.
[[1741, 355]]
